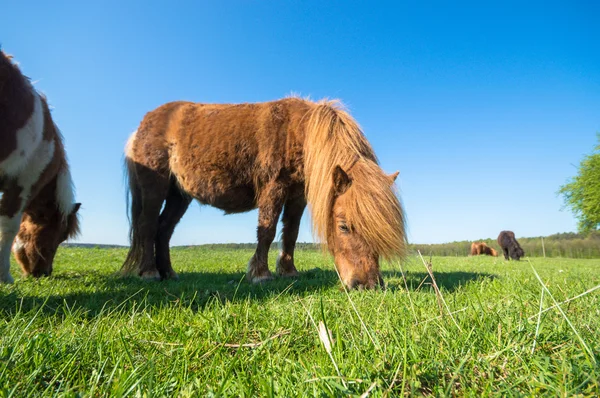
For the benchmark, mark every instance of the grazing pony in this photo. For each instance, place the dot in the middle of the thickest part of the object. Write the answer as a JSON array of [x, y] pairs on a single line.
[[274, 156], [36, 190], [479, 248], [510, 246]]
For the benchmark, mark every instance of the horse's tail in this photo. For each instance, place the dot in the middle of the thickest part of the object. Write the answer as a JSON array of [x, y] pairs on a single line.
[[134, 210]]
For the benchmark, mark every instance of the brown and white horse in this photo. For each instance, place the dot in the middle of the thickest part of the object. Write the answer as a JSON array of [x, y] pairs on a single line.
[[36, 190], [274, 156]]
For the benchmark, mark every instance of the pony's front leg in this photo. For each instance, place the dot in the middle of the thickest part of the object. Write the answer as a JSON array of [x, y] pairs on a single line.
[[269, 208], [9, 227], [292, 214]]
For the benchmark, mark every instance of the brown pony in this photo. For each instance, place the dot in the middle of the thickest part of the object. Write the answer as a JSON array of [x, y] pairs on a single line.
[[510, 246], [479, 248], [36, 201], [274, 156]]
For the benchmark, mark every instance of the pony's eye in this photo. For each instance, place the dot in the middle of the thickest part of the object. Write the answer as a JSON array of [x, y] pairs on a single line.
[[344, 228]]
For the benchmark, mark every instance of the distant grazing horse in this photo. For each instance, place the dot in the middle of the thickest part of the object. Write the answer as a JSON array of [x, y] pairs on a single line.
[[478, 248], [274, 156], [36, 190], [510, 246]]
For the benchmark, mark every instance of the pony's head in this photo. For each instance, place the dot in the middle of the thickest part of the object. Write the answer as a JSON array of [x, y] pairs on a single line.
[[516, 252], [366, 224], [354, 206], [42, 231]]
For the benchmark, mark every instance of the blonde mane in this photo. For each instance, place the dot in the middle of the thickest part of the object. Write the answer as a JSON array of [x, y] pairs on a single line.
[[334, 138]]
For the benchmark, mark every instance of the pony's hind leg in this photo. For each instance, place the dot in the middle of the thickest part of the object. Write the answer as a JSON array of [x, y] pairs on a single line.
[[269, 208], [292, 214], [152, 200], [149, 191], [175, 207], [11, 212], [9, 227]]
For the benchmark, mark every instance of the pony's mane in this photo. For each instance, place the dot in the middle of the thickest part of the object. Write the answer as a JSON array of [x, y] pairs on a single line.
[[333, 138], [65, 199], [73, 226], [64, 193]]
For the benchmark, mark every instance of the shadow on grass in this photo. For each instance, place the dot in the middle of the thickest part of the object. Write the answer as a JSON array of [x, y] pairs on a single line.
[[446, 281], [195, 290]]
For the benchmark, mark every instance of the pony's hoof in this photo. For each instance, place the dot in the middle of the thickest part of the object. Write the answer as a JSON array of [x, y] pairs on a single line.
[[172, 275], [285, 267], [150, 276], [7, 279], [288, 273]]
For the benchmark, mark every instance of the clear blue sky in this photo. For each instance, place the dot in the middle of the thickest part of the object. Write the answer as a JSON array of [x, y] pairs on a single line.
[[484, 109]]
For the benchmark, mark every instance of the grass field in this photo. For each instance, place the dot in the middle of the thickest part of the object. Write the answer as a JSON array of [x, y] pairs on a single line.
[[86, 332]]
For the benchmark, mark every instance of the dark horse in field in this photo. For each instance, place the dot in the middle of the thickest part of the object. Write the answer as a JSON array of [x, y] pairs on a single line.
[[479, 248], [510, 246], [36, 201], [275, 156]]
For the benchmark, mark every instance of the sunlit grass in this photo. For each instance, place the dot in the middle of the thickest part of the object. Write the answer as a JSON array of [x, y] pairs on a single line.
[[86, 331]]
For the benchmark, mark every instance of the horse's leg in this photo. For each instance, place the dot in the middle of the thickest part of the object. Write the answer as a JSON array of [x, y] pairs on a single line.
[[9, 227], [154, 192], [11, 212], [292, 213], [175, 207], [270, 204]]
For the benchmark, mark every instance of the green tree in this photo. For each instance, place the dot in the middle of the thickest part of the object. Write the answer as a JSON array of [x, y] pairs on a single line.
[[582, 192]]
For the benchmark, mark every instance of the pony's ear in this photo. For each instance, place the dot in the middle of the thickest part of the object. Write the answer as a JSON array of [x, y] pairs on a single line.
[[341, 181], [76, 207], [393, 176]]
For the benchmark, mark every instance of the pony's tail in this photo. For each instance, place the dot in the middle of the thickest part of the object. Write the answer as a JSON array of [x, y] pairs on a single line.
[[134, 210]]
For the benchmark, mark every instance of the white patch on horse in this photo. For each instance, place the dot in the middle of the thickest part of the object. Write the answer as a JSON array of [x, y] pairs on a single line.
[[18, 244], [9, 226], [65, 192], [129, 145], [28, 139], [42, 156]]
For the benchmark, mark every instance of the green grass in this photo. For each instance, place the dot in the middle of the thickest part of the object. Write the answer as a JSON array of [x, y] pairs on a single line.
[[87, 332]]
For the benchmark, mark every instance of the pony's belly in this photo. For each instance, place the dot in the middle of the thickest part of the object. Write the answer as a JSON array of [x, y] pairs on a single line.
[[231, 200]]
